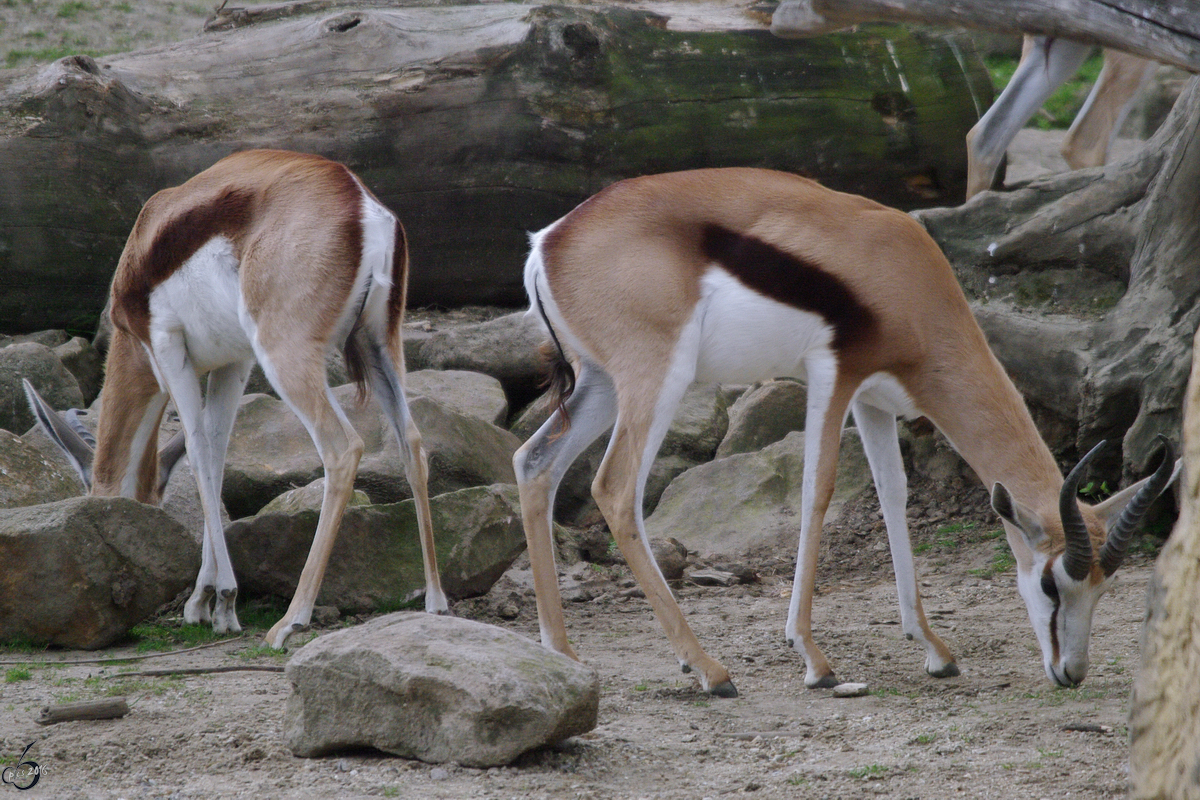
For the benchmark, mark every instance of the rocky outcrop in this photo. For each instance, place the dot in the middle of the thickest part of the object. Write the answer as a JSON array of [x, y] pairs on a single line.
[[45, 370], [435, 688], [764, 415], [81, 572], [376, 561]]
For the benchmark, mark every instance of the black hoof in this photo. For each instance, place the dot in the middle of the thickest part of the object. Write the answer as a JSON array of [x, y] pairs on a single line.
[[685, 668], [948, 671], [726, 689], [827, 682]]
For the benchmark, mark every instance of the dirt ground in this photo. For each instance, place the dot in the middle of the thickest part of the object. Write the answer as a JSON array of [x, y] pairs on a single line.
[[999, 730]]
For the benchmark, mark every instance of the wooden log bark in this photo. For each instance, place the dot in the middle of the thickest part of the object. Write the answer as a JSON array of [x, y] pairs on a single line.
[[1166, 32], [476, 124], [105, 708]]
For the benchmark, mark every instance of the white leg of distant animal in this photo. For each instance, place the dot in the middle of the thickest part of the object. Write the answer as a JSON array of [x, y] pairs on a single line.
[[1046, 64], [738, 275], [1108, 104], [270, 255]]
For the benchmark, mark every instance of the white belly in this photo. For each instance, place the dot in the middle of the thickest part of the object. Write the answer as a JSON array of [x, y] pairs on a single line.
[[745, 337], [203, 301]]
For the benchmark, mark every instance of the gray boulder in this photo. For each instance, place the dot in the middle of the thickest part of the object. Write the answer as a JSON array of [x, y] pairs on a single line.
[[84, 362], [751, 500], [45, 371], [29, 478], [507, 348], [81, 572], [471, 393], [376, 561], [270, 452], [435, 688], [763, 416]]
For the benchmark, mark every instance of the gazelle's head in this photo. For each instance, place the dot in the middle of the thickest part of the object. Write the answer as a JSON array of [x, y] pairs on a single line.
[[1060, 574]]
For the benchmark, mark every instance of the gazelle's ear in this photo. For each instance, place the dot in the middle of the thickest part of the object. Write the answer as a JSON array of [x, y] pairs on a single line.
[[168, 459], [1017, 515], [77, 450]]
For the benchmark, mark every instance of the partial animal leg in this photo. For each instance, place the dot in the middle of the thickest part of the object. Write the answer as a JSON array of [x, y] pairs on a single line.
[[882, 446], [642, 423], [1045, 65], [384, 374], [827, 405], [299, 377], [540, 465], [1099, 121], [206, 436]]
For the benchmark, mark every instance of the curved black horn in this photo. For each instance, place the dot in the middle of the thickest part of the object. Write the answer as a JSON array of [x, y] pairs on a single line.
[[1113, 552], [1077, 557]]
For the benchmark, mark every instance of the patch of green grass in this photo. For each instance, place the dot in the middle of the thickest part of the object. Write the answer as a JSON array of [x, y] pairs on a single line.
[[153, 637], [870, 771], [1062, 106], [391, 791], [22, 644], [72, 9], [797, 780], [641, 687], [1002, 562], [124, 8], [263, 651], [923, 738], [46, 54], [14, 674]]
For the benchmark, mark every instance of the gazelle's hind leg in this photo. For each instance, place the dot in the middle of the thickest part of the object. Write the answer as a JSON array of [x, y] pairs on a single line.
[[828, 401], [299, 377], [642, 423], [384, 373], [880, 442], [206, 428], [540, 465]]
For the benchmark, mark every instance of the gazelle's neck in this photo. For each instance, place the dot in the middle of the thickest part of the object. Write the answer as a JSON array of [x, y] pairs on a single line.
[[984, 416]]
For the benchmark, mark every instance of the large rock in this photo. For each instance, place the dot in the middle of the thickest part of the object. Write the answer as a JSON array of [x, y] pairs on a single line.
[[83, 361], [763, 416], [751, 500], [507, 348], [29, 478], [376, 561], [436, 688], [81, 572], [45, 371], [270, 451], [499, 116], [471, 393]]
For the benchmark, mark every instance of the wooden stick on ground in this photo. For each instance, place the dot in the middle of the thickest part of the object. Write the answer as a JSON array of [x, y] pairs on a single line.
[[107, 708]]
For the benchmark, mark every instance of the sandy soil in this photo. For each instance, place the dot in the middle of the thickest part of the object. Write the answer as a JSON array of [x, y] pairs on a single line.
[[999, 730]]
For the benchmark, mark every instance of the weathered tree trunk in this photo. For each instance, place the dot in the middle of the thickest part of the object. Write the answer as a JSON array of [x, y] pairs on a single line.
[[1164, 718], [476, 124]]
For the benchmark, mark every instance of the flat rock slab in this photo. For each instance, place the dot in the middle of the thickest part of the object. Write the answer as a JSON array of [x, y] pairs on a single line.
[[439, 689]]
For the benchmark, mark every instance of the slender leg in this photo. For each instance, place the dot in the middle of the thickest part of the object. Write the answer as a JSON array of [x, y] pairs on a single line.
[[1099, 121], [826, 413], [225, 387], [882, 446], [1045, 65], [216, 575], [540, 465], [300, 380], [389, 390], [642, 423]]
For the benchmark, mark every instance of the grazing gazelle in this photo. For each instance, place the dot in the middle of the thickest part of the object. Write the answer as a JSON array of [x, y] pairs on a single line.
[[1046, 64], [266, 255], [735, 275]]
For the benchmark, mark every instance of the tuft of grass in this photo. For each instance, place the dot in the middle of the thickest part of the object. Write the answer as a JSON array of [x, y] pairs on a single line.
[[1002, 562], [158, 636], [923, 738], [72, 9], [22, 644], [870, 771], [14, 674]]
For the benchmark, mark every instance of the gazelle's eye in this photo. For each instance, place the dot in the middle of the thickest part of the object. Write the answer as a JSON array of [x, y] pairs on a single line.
[[1049, 587]]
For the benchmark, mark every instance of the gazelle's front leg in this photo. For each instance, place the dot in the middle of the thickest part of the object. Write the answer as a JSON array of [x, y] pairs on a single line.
[[880, 442], [826, 412], [540, 465]]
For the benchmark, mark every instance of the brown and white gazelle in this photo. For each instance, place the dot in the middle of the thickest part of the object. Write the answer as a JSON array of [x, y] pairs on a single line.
[[736, 275], [266, 255]]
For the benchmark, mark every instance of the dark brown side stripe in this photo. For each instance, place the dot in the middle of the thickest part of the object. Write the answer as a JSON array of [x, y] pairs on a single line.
[[176, 242], [790, 280]]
